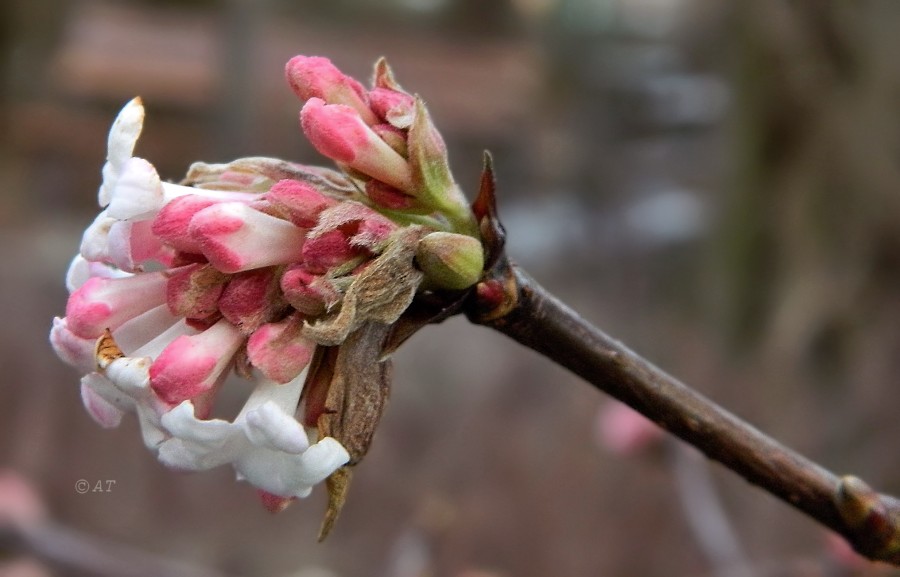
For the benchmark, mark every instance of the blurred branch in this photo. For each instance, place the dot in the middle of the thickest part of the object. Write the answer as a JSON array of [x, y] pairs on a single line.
[[511, 302], [705, 514], [69, 549]]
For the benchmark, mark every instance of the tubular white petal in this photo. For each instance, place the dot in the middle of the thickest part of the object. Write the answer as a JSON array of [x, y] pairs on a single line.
[[125, 132], [105, 388], [291, 475], [103, 412], [146, 335], [182, 423], [74, 350], [120, 145], [270, 427], [95, 240], [138, 193], [81, 269], [130, 374]]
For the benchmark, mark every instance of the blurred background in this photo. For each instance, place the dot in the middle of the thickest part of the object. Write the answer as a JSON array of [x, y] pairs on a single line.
[[715, 183]]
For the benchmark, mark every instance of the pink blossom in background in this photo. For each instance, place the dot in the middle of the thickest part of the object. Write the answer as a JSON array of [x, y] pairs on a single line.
[[623, 431]]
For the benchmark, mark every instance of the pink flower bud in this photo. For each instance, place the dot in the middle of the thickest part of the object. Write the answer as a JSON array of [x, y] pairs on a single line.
[[74, 350], [191, 365], [252, 298], [316, 77], [339, 133], [387, 196], [301, 201], [234, 237], [103, 303], [194, 292], [328, 250], [171, 224], [308, 293], [394, 107], [373, 232], [363, 226], [279, 349], [393, 137]]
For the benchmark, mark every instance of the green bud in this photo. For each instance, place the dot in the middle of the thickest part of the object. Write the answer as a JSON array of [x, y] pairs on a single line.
[[449, 260]]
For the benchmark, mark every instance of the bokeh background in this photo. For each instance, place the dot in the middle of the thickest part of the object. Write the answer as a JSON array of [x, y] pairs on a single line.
[[715, 183]]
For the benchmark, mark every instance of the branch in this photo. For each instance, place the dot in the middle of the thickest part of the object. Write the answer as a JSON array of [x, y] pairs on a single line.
[[510, 301], [69, 549]]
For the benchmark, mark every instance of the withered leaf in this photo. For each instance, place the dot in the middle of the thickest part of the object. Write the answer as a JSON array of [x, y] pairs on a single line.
[[338, 484], [106, 350], [358, 391], [356, 398]]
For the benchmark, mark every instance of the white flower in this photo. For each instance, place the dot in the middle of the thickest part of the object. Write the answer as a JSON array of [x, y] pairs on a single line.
[[120, 146], [267, 447], [170, 284]]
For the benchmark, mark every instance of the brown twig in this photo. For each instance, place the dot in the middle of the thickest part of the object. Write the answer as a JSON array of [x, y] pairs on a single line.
[[510, 301]]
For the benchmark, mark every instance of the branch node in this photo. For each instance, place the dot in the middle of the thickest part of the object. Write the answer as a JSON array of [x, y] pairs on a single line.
[[873, 519]]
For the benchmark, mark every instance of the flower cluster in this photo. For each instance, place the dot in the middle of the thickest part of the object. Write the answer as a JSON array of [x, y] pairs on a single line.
[[259, 267]]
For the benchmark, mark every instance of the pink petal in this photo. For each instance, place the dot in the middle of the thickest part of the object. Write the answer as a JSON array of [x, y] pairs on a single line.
[[274, 503], [339, 133], [252, 298], [131, 244], [234, 237], [300, 200], [389, 197], [103, 303], [397, 108], [308, 293], [72, 349], [190, 365], [327, 251], [279, 349], [317, 77], [172, 222]]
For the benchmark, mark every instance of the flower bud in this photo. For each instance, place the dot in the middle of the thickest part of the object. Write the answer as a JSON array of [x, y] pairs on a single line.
[[300, 200], [191, 365], [338, 132], [449, 260], [317, 77], [279, 349], [235, 238], [397, 108]]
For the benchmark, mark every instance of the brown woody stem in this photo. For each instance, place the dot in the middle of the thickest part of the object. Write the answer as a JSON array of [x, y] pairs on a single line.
[[510, 301]]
